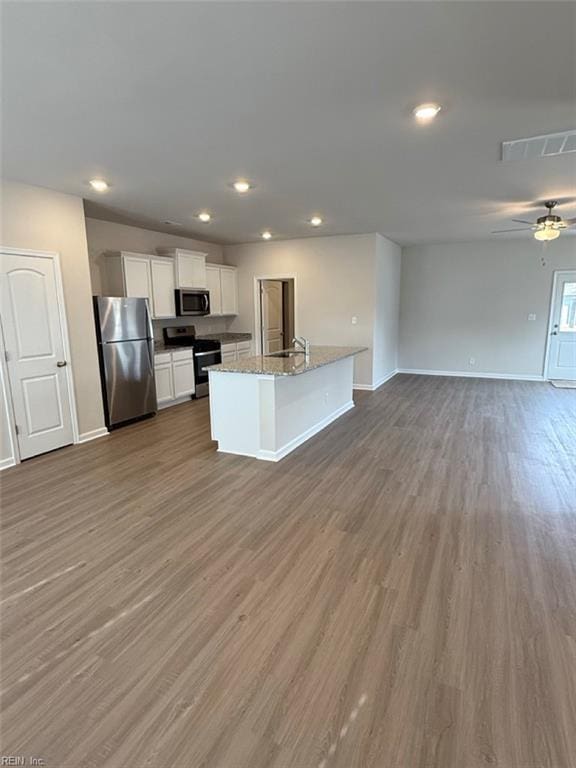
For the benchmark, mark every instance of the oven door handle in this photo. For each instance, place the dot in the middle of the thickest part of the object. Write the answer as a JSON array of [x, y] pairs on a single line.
[[203, 354]]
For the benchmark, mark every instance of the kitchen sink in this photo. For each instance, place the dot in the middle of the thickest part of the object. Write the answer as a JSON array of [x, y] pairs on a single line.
[[286, 353]]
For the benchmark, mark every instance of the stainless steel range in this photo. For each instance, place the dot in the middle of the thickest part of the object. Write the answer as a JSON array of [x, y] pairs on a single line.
[[205, 351]]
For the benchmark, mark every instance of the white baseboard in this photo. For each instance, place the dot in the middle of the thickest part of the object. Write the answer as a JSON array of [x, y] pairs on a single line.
[[472, 374], [6, 463], [297, 441], [85, 437], [373, 387], [177, 401]]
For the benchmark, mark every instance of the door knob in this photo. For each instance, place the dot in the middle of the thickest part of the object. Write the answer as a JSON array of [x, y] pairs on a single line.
[[61, 363], [554, 333]]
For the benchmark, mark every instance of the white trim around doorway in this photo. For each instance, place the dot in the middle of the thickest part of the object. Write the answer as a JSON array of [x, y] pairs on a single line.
[[257, 319]]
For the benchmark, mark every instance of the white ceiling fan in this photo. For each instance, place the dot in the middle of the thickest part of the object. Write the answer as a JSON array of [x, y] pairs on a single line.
[[546, 227]]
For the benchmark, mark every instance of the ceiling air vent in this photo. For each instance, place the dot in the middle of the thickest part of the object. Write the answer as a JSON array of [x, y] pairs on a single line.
[[539, 146]]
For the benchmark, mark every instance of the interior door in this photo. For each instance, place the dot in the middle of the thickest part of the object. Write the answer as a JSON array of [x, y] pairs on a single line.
[[272, 316], [562, 345], [35, 354]]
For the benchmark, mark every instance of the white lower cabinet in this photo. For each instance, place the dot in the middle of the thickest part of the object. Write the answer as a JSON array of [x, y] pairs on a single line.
[[231, 352], [174, 374]]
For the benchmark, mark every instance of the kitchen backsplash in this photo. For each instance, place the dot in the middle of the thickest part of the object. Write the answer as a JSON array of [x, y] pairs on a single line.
[[203, 325]]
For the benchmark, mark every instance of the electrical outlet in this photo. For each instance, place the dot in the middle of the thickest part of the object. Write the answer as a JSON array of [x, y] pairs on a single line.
[[354, 320], [472, 361], [531, 316]]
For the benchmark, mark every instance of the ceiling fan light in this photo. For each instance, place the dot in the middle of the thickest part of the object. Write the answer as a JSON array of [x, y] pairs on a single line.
[[546, 233]]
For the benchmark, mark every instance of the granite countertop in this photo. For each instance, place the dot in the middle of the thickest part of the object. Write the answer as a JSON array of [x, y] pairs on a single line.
[[227, 337], [286, 366], [223, 338]]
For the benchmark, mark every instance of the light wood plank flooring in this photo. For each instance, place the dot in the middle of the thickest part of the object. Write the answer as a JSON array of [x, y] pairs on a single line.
[[400, 592]]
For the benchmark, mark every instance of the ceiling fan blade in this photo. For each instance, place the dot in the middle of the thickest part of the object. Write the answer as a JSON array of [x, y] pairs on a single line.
[[570, 222], [518, 229], [522, 221]]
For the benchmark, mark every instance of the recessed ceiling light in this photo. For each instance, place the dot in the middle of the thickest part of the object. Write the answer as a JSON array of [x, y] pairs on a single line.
[[242, 186], [205, 216], [99, 185], [426, 112], [316, 221], [266, 235]]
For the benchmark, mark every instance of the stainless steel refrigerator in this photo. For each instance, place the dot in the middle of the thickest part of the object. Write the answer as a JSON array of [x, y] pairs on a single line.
[[126, 352]]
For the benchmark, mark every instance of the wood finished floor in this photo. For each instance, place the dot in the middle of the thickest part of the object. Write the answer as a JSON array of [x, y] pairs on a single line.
[[400, 592]]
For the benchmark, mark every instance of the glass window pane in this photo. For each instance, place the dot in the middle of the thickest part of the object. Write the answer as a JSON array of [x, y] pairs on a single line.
[[568, 309]]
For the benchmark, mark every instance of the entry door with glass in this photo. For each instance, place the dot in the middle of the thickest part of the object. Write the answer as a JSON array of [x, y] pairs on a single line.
[[562, 343]]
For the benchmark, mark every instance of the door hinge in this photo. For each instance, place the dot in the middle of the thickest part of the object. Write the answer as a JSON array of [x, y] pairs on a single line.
[[17, 429], [6, 355]]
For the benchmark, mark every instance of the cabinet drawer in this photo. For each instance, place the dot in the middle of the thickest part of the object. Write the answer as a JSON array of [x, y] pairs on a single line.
[[228, 357], [244, 353], [242, 345], [228, 348], [182, 354], [160, 358]]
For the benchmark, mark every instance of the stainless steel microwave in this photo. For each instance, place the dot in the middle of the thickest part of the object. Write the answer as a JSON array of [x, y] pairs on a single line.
[[192, 301]]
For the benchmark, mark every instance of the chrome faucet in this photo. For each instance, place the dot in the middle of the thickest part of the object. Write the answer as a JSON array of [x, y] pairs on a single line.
[[304, 344]]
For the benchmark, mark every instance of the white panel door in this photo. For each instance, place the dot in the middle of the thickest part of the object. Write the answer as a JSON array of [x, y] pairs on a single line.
[[191, 270], [163, 287], [35, 352], [137, 277], [183, 372], [272, 317], [164, 383], [562, 345], [213, 281], [229, 283]]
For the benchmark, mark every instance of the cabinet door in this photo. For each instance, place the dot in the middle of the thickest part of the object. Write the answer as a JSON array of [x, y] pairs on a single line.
[[213, 281], [183, 372], [191, 270], [163, 285], [164, 383], [137, 280], [229, 286]]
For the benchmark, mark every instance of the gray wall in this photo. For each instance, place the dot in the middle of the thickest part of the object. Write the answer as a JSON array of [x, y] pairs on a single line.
[[41, 219], [386, 308], [109, 236], [473, 299], [334, 281]]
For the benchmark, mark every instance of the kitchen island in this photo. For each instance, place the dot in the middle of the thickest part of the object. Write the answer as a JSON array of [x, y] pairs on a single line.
[[266, 406]]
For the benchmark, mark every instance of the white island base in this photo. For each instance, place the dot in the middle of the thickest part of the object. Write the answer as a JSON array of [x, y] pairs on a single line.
[[268, 416]]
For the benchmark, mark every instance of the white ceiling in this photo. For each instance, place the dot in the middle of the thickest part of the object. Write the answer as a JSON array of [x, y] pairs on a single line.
[[171, 101]]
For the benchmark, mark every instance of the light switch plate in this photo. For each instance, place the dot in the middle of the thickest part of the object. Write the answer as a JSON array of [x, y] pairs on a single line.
[[531, 316], [354, 320]]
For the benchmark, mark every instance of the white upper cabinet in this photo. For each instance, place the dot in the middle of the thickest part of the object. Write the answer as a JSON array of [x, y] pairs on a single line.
[[213, 280], [137, 276], [223, 287], [163, 286], [229, 287], [190, 267]]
